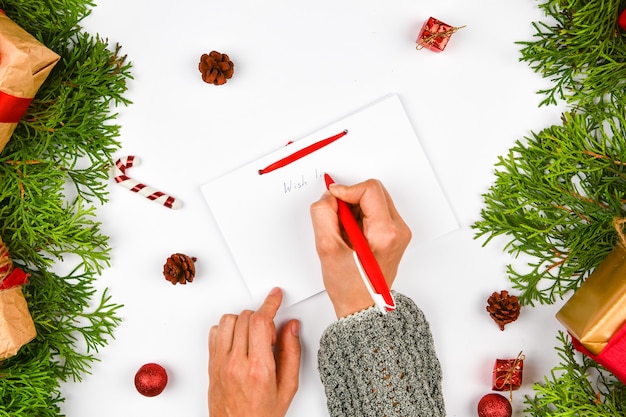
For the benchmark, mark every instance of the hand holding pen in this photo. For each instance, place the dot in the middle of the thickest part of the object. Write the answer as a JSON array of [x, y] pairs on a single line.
[[384, 229]]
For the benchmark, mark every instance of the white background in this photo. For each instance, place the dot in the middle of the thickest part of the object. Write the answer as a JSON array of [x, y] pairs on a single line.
[[298, 67]]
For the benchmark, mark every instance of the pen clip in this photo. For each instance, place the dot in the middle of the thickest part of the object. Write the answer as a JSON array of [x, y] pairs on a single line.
[[379, 300]]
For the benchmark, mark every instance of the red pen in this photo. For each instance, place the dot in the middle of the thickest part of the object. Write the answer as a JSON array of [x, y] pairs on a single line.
[[366, 262]]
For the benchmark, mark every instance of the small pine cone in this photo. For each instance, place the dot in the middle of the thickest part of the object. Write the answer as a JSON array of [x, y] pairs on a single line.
[[503, 308], [216, 68], [179, 269]]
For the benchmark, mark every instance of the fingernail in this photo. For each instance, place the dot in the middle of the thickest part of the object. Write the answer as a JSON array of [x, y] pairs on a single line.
[[275, 291], [334, 188], [295, 328]]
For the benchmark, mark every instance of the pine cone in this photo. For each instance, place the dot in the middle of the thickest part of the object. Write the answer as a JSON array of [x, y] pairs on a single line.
[[503, 308], [179, 269], [216, 68]]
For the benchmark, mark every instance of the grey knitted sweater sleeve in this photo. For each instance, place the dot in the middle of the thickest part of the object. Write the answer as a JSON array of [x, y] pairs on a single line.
[[374, 364]]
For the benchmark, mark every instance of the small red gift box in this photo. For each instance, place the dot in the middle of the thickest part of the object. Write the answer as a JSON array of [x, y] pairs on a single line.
[[612, 356], [435, 35], [507, 374]]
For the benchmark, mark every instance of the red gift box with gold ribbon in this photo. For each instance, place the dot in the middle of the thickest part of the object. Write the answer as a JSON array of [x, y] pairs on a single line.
[[435, 35], [24, 65], [508, 373]]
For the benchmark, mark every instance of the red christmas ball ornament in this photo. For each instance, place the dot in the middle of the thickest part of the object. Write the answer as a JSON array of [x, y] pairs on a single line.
[[151, 379], [494, 405], [622, 20]]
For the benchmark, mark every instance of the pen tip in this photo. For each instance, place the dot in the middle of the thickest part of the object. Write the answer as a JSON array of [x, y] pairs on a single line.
[[328, 180]]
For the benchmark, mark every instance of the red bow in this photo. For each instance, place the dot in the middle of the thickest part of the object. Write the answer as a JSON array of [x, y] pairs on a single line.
[[15, 278]]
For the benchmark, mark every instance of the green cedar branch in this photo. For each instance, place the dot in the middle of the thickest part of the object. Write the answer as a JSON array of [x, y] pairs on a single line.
[[54, 174], [582, 50], [555, 197], [557, 193], [577, 387]]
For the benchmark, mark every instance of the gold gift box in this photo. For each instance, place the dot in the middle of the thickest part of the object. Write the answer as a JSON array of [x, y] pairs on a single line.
[[24, 65], [597, 310]]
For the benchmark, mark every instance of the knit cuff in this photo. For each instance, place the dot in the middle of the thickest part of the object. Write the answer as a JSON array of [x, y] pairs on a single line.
[[372, 363], [367, 314]]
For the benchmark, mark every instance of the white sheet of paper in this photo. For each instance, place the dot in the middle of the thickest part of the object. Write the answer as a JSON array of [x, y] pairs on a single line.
[[269, 231]]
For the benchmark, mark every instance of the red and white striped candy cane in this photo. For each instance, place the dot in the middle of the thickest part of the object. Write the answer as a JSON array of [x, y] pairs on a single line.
[[119, 174]]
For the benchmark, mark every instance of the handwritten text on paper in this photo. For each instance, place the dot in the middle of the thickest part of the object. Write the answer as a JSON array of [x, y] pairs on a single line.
[[301, 181]]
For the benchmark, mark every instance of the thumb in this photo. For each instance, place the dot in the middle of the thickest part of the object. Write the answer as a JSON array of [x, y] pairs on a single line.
[[288, 361], [341, 191]]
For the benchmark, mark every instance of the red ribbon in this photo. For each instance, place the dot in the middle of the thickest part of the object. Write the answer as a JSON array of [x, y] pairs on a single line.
[[15, 278], [12, 108], [301, 153], [612, 357]]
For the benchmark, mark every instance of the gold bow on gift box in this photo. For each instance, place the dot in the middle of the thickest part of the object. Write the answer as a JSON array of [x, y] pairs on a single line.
[[24, 65], [597, 310]]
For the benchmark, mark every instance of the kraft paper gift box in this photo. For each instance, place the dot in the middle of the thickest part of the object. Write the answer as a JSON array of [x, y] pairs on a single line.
[[24, 65], [16, 324], [597, 310]]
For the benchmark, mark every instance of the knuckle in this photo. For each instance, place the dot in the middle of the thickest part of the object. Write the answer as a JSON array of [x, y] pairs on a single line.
[[227, 319], [258, 320], [373, 182], [390, 236], [394, 236], [232, 370], [245, 313], [258, 372]]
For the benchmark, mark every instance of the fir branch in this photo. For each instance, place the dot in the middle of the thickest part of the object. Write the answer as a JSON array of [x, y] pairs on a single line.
[[582, 51], [577, 387]]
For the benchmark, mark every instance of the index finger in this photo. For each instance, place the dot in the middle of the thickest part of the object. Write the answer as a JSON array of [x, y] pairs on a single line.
[[262, 330], [371, 196], [270, 305]]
